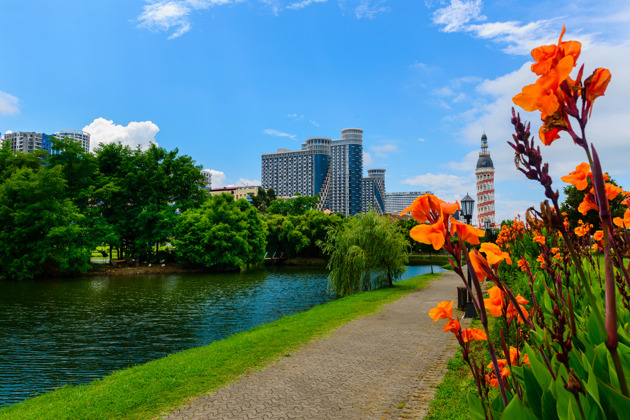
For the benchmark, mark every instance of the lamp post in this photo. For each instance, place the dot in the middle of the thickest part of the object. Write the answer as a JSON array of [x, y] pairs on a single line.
[[489, 232], [468, 204]]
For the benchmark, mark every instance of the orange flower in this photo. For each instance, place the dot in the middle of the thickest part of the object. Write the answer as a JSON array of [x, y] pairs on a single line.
[[625, 222], [541, 260], [579, 177], [548, 134], [449, 208], [480, 265], [598, 235], [434, 234], [494, 304], [425, 208], [555, 250], [526, 360], [473, 334], [587, 204], [581, 230], [453, 326], [468, 233], [512, 312], [522, 264], [494, 254], [547, 56], [444, 310], [595, 85], [539, 239]]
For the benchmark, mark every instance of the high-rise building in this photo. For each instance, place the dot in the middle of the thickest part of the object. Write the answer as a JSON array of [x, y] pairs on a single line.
[[81, 136], [395, 202], [374, 191], [332, 169], [485, 186], [26, 142], [207, 175]]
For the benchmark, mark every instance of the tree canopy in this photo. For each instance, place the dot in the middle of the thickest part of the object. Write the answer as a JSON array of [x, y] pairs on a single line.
[[368, 252], [574, 198]]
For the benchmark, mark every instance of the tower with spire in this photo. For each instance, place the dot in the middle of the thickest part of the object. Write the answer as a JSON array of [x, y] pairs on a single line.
[[485, 186]]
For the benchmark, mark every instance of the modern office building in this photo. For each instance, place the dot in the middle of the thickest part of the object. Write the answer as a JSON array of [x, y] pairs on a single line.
[[373, 194], [485, 186], [26, 142], [395, 202], [332, 169]]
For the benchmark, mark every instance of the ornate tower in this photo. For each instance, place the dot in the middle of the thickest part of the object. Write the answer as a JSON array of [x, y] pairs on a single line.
[[485, 186]]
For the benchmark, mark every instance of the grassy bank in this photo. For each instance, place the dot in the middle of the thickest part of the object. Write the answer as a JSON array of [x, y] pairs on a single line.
[[154, 388]]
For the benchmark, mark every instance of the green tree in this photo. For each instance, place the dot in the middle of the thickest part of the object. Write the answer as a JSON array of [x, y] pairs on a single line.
[[366, 253], [263, 199], [297, 205], [222, 234], [39, 227], [573, 199]]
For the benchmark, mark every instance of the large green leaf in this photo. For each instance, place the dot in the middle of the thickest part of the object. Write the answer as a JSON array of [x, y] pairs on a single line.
[[543, 376], [549, 406], [476, 408], [533, 392], [516, 410], [615, 403]]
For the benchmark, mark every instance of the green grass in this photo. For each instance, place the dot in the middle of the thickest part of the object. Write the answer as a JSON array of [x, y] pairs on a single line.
[[427, 260], [152, 389], [451, 397]]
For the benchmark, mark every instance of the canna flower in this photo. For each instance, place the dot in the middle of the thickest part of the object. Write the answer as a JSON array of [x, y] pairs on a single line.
[[494, 254], [581, 230], [491, 377], [515, 355], [434, 234], [547, 56], [522, 264], [494, 304], [468, 233], [579, 177], [598, 236], [539, 239], [541, 260], [453, 326], [587, 204], [473, 334], [480, 265], [623, 223], [444, 310], [595, 86], [425, 208], [511, 311], [555, 250]]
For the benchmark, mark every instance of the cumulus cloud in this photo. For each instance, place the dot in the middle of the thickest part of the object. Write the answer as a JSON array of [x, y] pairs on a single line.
[[448, 187], [218, 178], [136, 133], [457, 14], [8, 104], [276, 133]]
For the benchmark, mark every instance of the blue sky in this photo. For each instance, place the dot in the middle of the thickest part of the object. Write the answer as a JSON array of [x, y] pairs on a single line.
[[225, 81]]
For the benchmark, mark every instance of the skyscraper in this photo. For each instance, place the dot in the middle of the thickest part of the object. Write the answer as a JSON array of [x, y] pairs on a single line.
[[26, 142], [332, 169], [374, 191], [485, 186], [81, 136]]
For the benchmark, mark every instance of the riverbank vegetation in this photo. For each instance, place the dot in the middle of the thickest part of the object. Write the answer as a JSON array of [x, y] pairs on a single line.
[[155, 388]]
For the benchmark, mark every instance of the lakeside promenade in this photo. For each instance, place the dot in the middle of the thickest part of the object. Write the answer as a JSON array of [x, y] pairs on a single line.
[[383, 366]]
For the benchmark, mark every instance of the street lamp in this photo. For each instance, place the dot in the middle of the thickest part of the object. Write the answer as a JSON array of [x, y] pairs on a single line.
[[489, 232], [468, 204]]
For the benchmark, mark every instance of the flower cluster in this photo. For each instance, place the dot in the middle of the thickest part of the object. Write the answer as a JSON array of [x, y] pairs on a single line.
[[510, 233]]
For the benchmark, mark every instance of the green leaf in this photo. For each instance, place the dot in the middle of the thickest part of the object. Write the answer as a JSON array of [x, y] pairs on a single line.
[[516, 410], [533, 392], [615, 403], [549, 406], [476, 408], [594, 334], [543, 376]]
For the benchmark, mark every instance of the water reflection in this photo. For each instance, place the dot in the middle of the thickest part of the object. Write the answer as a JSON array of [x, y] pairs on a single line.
[[71, 331]]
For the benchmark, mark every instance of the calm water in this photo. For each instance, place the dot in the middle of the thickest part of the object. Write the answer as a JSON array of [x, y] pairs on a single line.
[[72, 331]]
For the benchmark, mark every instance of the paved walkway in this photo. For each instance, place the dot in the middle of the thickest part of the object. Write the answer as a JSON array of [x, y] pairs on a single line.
[[384, 366]]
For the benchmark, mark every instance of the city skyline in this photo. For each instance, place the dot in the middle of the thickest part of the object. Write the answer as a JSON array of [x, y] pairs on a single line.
[[226, 81]]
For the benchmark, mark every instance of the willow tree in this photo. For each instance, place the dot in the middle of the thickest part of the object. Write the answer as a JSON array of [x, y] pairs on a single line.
[[366, 253]]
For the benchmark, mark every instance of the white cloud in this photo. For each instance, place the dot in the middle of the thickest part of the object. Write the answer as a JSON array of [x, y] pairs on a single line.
[[421, 139], [448, 187], [384, 150], [364, 9], [136, 133], [164, 15], [218, 178], [457, 14], [315, 123], [248, 182], [276, 133], [304, 3], [296, 117], [367, 159], [8, 104]]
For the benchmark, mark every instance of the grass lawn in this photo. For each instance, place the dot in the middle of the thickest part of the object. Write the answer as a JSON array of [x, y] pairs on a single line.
[[152, 389]]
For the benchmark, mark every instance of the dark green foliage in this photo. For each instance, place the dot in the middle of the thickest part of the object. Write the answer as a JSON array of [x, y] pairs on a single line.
[[368, 252], [38, 226], [222, 234], [299, 235], [263, 199], [573, 199], [294, 206]]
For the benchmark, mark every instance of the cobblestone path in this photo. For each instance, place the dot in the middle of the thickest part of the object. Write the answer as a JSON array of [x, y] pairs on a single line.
[[384, 366]]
